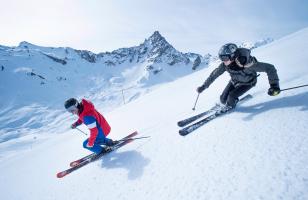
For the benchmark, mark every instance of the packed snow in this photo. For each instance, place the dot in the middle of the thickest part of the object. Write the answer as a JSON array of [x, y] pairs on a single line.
[[259, 151]]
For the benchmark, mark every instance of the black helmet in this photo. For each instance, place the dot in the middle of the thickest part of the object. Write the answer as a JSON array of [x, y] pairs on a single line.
[[226, 52], [242, 56], [71, 104]]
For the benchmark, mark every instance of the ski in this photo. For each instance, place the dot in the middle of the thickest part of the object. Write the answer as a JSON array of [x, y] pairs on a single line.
[[77, 162], [184, 122], [191, 128], [222, 111], [93, 157], [211, 110]]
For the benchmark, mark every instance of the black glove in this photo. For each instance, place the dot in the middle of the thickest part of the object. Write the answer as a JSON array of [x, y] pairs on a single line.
[[74, 125], [201, 88], [273, 90]]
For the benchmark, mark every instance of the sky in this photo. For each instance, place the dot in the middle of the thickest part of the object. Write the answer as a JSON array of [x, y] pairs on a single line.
[[199, 26]]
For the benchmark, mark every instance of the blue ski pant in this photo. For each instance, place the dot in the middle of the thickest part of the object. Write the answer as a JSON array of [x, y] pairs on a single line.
[[100, 140]]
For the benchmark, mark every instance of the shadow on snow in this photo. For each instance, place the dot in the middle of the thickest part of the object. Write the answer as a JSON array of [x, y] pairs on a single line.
[[132, 161], [299, 100]]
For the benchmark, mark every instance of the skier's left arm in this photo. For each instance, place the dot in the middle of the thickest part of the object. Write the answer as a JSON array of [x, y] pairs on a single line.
[[272, 75], [90, 122]]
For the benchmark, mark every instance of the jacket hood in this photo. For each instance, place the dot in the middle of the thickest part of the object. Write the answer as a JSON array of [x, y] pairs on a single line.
[[87, 106]]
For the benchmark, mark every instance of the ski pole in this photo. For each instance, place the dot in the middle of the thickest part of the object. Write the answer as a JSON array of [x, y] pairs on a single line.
[[294, 87], [81, 131], [196, 102]]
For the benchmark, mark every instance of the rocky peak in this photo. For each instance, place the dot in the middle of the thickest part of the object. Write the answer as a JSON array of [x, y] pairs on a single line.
[[156, 37], [25, 44], [157, 40]]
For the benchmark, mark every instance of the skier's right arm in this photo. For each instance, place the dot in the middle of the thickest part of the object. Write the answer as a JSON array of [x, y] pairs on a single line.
[[215, 74], [77, 123]]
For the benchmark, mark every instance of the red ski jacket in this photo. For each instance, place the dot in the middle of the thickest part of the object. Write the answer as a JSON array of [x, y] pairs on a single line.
[[94, 120]]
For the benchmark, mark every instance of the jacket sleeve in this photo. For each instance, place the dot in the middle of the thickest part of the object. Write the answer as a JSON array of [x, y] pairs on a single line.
[[78, 122], [92, 125], [269, 69], [215, 74]]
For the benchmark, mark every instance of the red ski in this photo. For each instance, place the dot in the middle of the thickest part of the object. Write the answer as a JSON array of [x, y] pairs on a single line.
[[93, 157], [77, 162]]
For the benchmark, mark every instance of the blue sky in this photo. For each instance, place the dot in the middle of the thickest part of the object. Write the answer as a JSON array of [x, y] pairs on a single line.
[[200, 26]]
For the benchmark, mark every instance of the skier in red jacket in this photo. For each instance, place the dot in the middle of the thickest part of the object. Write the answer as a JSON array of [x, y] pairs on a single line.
[[97, 124]]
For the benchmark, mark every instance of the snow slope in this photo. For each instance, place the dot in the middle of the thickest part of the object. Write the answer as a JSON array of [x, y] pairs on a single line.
[[258, 152]]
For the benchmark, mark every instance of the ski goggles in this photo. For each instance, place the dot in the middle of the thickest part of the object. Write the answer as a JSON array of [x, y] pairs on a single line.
[[224, 57], [72, 109]]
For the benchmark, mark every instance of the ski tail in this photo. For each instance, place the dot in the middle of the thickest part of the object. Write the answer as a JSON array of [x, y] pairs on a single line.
[[61, 174]]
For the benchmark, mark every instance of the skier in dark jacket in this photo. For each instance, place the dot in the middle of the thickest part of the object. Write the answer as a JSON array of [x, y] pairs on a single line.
[[243, 69], [97, 124]]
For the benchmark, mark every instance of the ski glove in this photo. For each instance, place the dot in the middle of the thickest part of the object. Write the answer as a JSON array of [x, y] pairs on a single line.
[[201, 88], [73, 126], [273, 90]]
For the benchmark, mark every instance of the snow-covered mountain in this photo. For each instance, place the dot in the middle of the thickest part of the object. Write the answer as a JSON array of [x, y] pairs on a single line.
[[259, 43], [38, 77], [74, 72], [259, 151]]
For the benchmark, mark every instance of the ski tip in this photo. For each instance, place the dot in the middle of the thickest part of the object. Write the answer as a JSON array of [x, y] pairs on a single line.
[[61, 174], [183, 133], [180, 124]]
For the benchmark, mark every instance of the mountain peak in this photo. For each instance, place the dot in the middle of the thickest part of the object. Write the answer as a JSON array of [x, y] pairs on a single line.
[[156, 37], [28, 45], [156, 34], [25, 44]]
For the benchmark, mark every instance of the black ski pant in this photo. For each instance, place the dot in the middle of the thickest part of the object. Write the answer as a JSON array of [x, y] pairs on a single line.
[[231, 94]]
